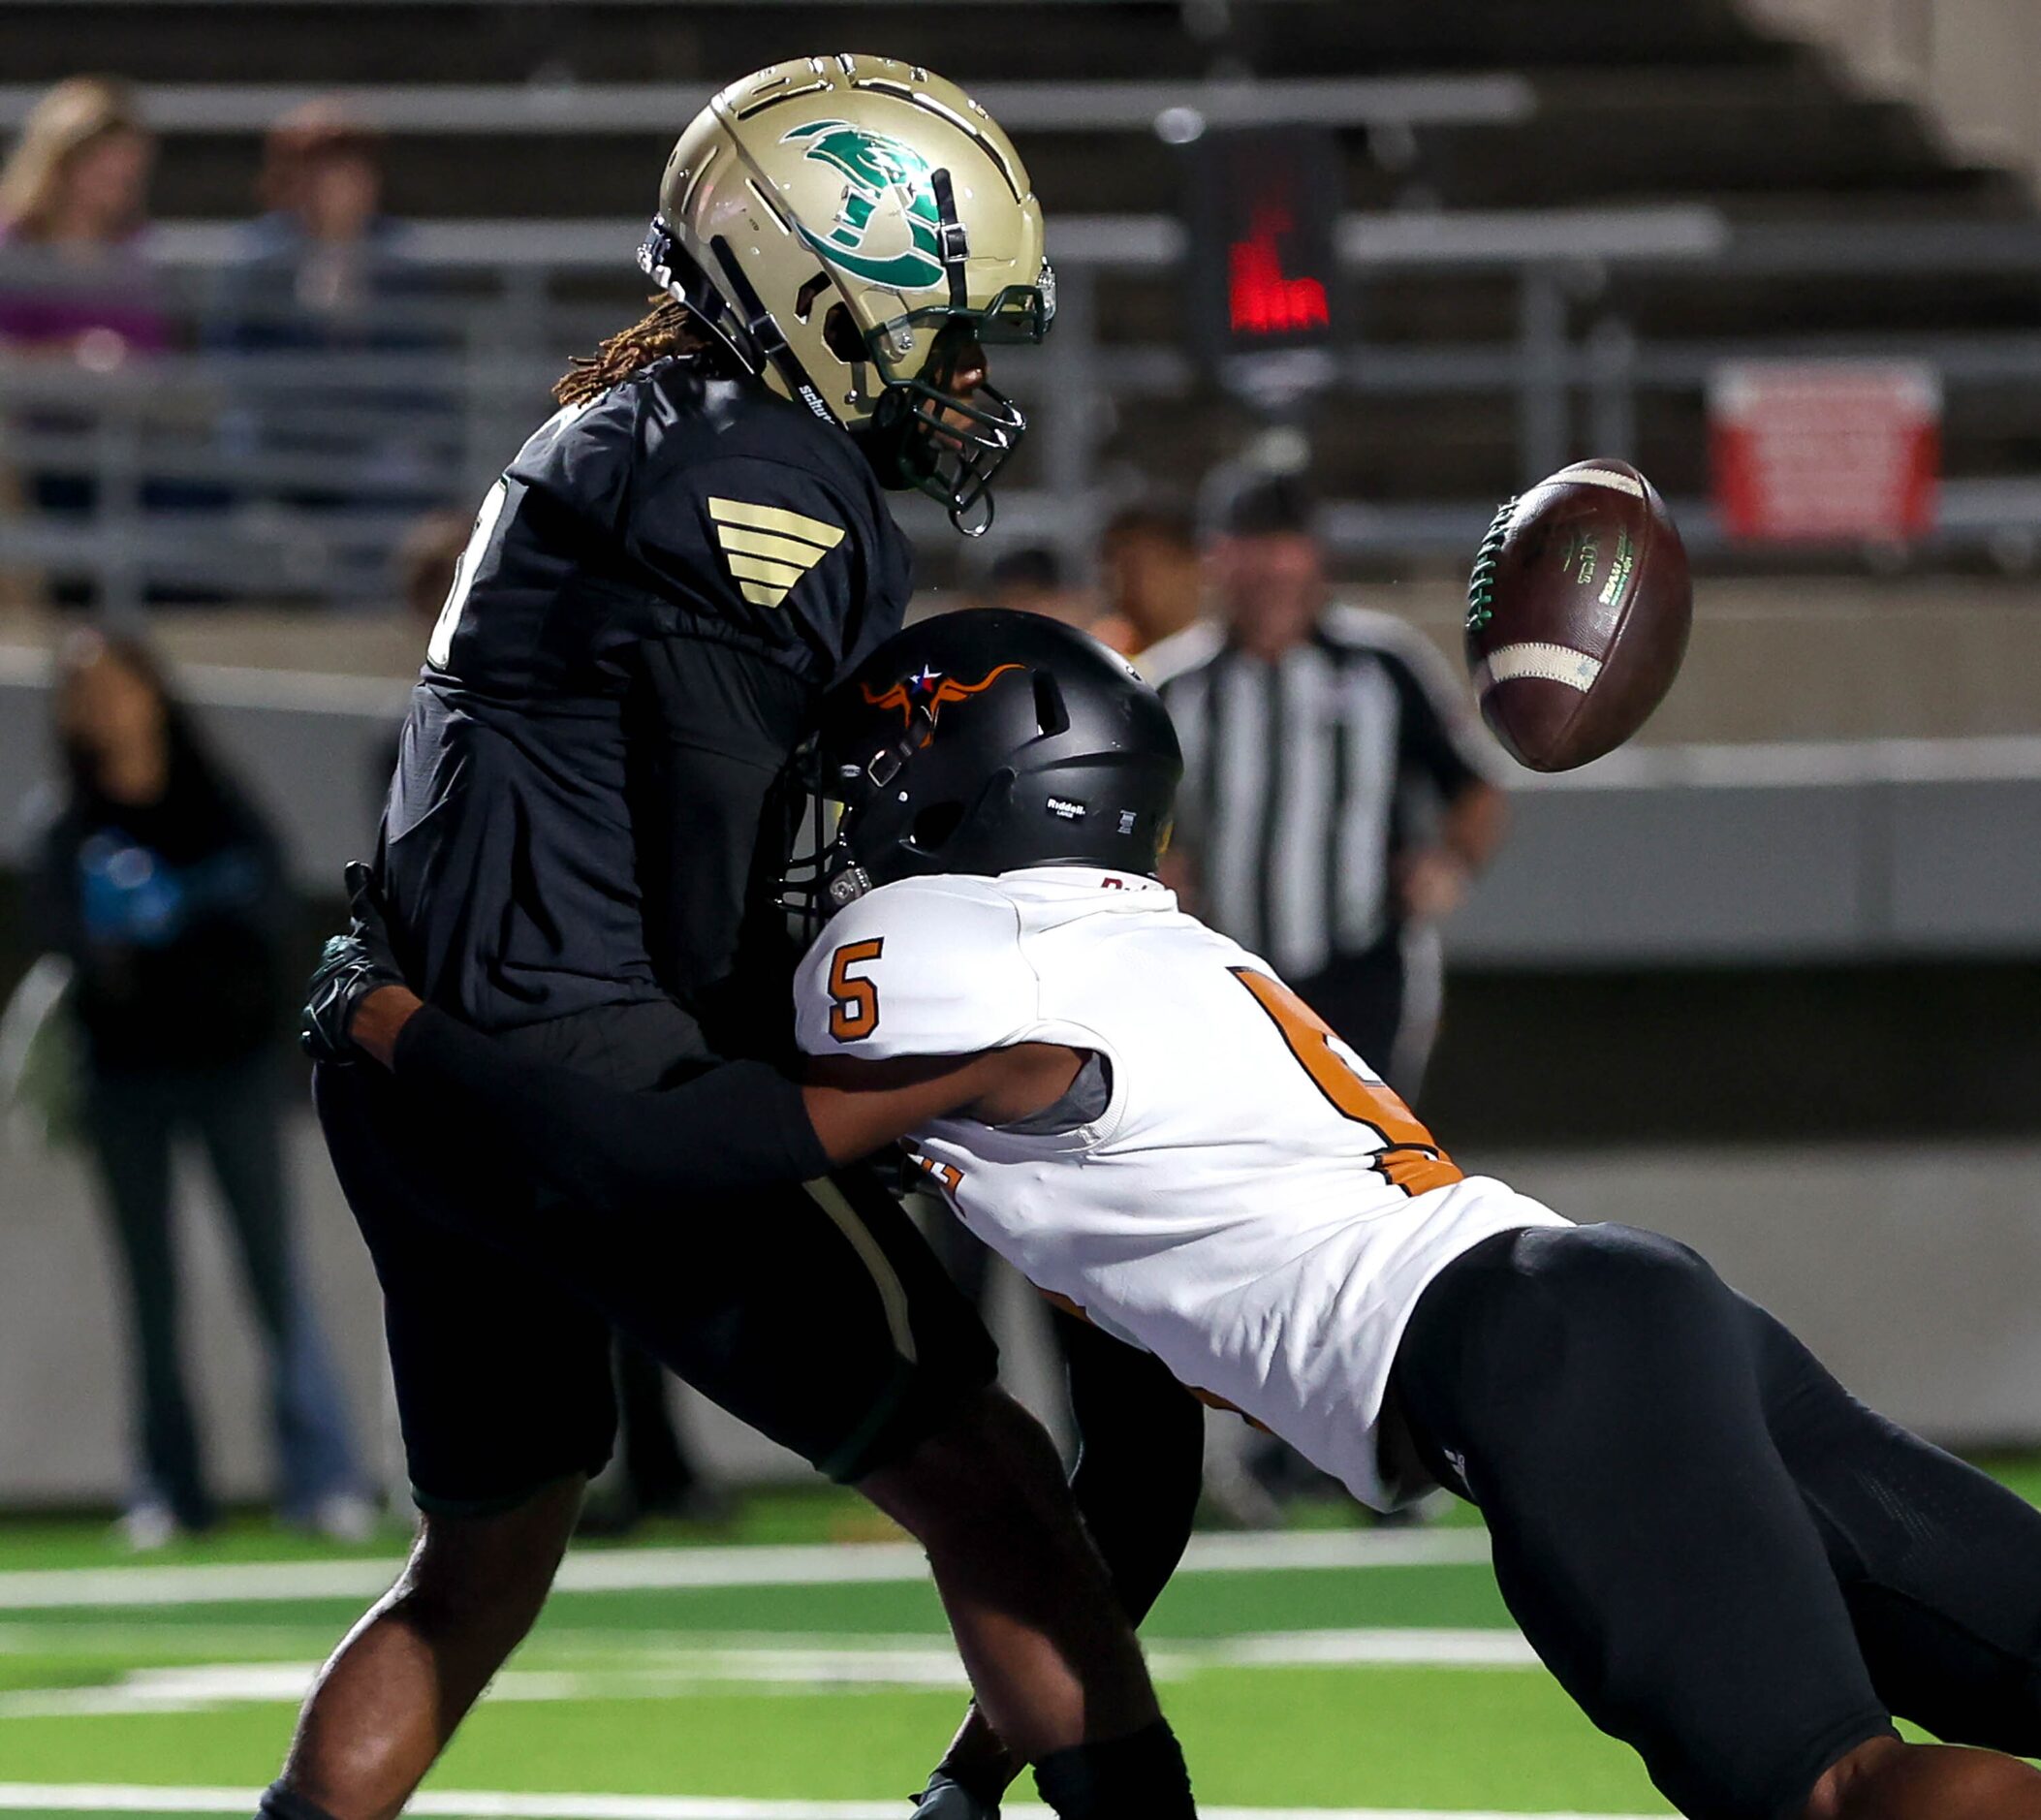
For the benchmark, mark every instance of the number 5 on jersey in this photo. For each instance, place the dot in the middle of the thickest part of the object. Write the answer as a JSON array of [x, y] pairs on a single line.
[[854, 1012]]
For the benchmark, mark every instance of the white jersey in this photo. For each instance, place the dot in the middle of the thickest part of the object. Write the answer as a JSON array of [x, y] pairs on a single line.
[[1253, 1205]]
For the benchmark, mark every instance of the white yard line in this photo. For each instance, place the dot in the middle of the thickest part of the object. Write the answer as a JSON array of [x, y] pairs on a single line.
[[478, 1804], [648, 1570], [1498, 1647], [819, 1665]]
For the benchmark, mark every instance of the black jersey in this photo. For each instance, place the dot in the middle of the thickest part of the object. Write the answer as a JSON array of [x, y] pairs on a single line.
[[655, 595]]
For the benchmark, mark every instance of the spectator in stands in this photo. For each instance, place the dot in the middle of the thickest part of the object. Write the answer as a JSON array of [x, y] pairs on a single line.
[[323, 273], [1034, 579], [322, 255], [162, 883], [73, 196], [75, 284], [1154, 584]]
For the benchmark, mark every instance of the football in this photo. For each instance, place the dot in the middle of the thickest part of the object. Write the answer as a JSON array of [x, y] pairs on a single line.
[[1578, 615]]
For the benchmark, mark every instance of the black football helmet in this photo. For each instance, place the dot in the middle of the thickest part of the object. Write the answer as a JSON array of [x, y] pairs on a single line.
[[986, 740]]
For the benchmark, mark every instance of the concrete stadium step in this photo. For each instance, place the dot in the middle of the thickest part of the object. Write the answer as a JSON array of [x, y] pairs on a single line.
[[1535, 165], [1728, 148], [1763, 141], [597, 41], [45, 40], [596, 173]]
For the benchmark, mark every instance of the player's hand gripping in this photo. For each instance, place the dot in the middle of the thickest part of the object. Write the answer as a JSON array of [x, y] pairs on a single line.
[[350, 969]]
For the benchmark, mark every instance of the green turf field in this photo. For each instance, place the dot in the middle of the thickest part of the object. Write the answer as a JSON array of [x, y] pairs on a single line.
[[785, 1674]]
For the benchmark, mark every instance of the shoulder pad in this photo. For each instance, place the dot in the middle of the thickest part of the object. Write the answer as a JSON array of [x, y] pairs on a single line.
[[920, 968]]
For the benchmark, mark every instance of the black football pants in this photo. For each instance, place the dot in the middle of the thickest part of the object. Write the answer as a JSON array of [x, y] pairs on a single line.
[[1728, 1562], [815, 1312]]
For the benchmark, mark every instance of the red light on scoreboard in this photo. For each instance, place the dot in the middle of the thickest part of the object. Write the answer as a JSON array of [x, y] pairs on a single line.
[[1260, 298], [1262, 208]]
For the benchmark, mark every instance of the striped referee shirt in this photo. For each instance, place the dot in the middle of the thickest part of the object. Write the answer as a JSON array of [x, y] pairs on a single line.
[[1301, 777]]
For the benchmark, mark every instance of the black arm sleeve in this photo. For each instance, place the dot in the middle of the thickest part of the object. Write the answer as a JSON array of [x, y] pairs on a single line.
[[1140, 1460], [711, 728], [735, 1127]]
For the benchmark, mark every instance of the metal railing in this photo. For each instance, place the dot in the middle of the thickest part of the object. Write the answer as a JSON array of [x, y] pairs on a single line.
[[566, 107], [266, 474]]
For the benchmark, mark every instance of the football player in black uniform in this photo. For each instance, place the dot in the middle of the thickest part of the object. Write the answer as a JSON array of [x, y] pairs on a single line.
[[1727, 1560], [654, 597]]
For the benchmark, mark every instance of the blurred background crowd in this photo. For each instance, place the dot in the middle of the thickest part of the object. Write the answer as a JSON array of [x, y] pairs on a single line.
[[279, 297]]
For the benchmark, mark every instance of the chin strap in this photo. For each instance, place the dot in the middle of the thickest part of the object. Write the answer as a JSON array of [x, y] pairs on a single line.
[[764, 329], [951, 239]]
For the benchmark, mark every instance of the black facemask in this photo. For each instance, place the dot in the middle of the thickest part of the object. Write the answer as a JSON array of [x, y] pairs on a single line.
[[947, 444], [923, 434]]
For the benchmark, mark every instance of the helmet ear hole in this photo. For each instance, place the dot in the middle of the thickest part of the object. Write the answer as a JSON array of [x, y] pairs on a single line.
[[804, 298], [1050, 715], [840, 335]]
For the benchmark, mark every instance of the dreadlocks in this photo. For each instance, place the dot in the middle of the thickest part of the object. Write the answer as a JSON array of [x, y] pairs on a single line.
[[667, 329]]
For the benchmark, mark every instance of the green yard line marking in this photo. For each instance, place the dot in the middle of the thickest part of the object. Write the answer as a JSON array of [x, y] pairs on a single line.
[[649, 1570], [480, 1804]]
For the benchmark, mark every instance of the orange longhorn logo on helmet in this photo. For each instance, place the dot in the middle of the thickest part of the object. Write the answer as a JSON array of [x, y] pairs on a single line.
[[931, 689]]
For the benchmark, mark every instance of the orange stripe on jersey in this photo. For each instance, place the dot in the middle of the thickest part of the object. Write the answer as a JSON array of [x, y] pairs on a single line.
[[1410, 1157]]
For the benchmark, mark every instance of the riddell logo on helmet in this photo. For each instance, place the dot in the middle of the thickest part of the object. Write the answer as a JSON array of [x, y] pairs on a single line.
[[931, 689], [874, 163]]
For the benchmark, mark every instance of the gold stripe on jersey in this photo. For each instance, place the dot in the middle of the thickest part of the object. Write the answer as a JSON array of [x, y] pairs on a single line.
[[775, 518], [767, 548], [757, 569], [767, 544]]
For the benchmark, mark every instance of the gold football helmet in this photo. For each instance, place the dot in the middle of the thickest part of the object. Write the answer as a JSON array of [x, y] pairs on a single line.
[[849, 227]]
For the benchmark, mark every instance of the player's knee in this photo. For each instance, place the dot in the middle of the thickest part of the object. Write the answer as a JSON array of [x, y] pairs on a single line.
[[487, 1577], [1885, 1776], [990, 1467], [460, 1606]]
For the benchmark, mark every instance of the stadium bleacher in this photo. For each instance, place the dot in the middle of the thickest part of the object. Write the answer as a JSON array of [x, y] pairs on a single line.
[[1559, 219]]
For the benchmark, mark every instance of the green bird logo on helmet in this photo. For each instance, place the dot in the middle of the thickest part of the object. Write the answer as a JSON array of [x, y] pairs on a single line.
[[854, 231], [874, 165]]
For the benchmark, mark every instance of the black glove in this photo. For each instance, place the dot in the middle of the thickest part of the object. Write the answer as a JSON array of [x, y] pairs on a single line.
[[350, 968], [946, 1799]]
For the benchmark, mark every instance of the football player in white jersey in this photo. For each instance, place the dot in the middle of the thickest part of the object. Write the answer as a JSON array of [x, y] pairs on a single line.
[[1726, 1560]]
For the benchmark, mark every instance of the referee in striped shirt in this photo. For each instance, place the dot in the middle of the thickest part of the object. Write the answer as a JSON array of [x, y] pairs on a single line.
[[1337, 800]]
